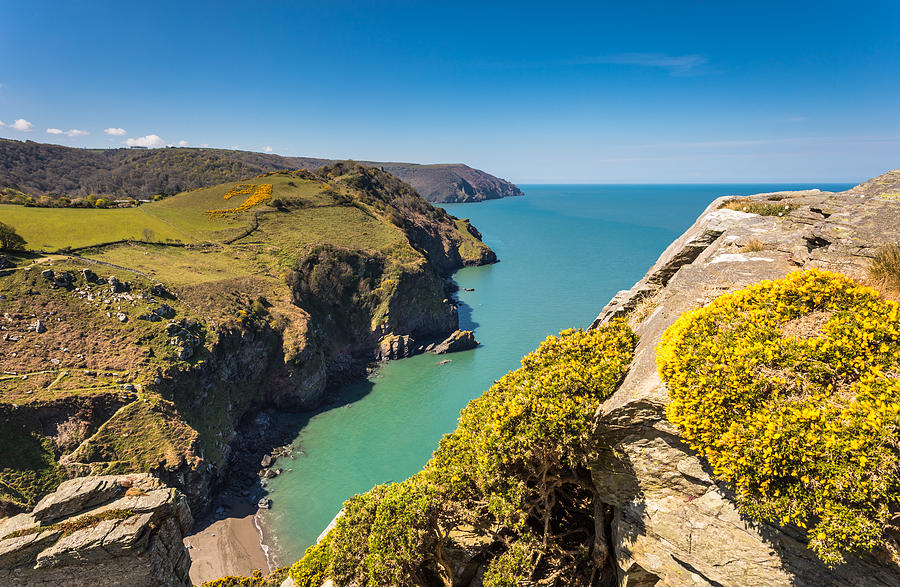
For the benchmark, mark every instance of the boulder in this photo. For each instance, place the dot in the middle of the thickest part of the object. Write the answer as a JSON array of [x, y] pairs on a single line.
[[160, 291], [165, 311], [99, 532], [38, 327], [395, 346], [89, 276], [461, 340]]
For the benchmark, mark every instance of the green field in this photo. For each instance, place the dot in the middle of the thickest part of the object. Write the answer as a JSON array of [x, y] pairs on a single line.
[[51, 229], [179, 219]]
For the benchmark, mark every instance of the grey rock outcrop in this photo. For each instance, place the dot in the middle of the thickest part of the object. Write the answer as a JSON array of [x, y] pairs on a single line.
[[395, 346], [673, 525], [461, 340], [99, 531]]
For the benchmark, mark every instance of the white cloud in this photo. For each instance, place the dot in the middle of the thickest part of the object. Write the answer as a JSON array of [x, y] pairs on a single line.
[[267, 149], [75, 132], [235, 147], [1, 123], [114, 131], [677, 65], [147, 141], [205, 145], [22, 125], [183, 143]]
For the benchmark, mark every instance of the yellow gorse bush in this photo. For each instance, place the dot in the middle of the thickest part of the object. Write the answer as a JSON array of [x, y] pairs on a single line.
[[500, 472], [241, 189], [261, 194], [790, 389]]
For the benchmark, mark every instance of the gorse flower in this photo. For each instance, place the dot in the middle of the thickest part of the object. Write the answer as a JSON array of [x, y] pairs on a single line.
[[790, 389], [259, 194]]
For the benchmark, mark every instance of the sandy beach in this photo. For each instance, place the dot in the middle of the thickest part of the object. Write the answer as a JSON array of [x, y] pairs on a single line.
[[226, 544]]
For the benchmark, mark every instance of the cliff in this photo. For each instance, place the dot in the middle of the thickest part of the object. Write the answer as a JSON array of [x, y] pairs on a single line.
[[48, 172], [672, 523], [568, 471], [98, 531], [148, 354]]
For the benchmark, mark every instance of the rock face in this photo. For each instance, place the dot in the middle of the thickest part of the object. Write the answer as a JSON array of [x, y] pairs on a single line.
[[98, 531], [672, 523], [452, 182], [461, 340]]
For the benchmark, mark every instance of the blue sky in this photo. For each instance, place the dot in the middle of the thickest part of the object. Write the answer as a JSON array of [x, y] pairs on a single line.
[[641, 91]]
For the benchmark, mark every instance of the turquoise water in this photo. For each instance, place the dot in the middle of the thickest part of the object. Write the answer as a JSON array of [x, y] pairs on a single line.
[[564, 250]]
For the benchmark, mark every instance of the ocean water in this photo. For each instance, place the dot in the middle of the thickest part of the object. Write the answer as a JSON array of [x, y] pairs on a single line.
[[564, 251]]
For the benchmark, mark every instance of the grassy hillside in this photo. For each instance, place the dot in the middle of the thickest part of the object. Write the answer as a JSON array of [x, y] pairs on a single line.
[[136, 338], [48, 174]]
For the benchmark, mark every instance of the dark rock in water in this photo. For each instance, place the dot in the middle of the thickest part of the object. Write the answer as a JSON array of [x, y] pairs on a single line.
[[461, 340], [264, 503], [394, 346], [445, 362], [267, 461]]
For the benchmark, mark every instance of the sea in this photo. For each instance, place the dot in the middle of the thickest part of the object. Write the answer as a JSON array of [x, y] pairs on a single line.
[[564, 251]]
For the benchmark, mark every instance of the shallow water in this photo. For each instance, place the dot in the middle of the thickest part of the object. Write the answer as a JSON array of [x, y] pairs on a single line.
[[564, 250]]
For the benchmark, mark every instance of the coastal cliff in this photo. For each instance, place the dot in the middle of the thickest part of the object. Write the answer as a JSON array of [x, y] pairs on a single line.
[[531, 488], [148, 356], [673, 523]]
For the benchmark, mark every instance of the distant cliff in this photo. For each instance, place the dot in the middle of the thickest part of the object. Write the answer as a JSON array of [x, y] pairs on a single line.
[[56, 171]]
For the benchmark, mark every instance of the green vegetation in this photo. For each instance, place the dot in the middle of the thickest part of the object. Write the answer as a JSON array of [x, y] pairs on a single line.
[[30, 471], [349, 254], [38, 174], [511, 483], [52, 229], [885, 267], [756, 207], [257, 579], [790, 390], [141, 436], [10, 239]]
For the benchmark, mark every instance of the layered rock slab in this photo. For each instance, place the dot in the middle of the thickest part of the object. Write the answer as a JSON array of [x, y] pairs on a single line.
[[673, 524], [98, 531]]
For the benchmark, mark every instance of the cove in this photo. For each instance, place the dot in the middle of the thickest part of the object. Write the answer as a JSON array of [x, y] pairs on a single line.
[[565, 250]]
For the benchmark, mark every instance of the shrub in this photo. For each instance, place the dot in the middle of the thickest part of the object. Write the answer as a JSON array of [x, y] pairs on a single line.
[[515, 470], [756, 207], [753, 245], [885, 267], [10, 239], [790, 390]]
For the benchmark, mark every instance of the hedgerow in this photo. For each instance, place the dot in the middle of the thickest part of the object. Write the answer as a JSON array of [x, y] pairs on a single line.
[[790, 390], [514, 473]]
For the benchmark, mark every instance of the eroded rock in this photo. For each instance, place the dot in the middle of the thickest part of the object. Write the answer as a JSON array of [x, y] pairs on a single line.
[[461, 340], [99, 531], [673, 524]]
